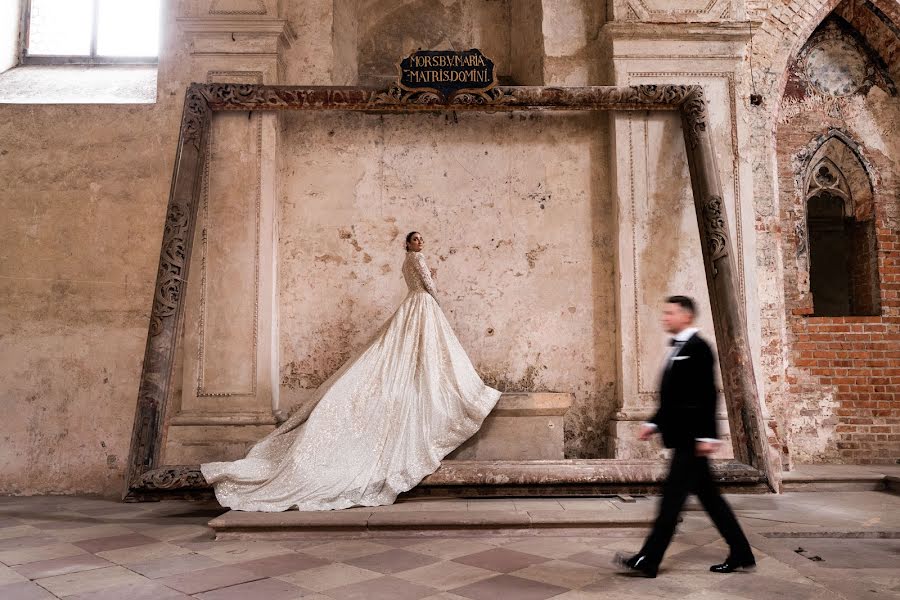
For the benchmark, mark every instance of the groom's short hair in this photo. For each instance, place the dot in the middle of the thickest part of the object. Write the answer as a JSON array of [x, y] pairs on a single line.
[[684, 302]]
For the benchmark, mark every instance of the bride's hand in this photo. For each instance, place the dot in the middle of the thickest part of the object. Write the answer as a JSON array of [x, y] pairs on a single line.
[[433, 273]]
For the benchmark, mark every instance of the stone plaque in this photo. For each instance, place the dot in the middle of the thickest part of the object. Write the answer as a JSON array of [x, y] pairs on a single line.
[[447, 72]]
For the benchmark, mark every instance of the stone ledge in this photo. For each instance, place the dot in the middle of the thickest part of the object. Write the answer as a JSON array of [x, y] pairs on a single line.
[[567, 471], [79, 84], [458, 478], [363, 522], [841, 478], [532, 404]]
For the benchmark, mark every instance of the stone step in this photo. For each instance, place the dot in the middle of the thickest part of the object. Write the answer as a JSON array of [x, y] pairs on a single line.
[[571, 477], [405, 520], [841, 478]]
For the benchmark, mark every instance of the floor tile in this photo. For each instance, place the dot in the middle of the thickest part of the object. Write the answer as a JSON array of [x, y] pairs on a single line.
[[233, 552], [392, 561], [322, 579], [114, 542], [9, 575], [594, 558], [24, 590], [549, 547], [27, 555], [760, 586], [509, 586], [91, 532], [89, 581], [20, 531], [144, 553], [6, 522], [383, 588], [500, 560], [27, 541], [345, 549], [147, 590], [446, 575], [563, 573], [280, 564], [173, 565], [65, 521], [194, 582], [61, 566], [264, 589], [451, 548]]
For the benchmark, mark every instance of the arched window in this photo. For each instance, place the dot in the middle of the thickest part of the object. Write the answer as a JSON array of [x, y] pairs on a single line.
[[840, 225]]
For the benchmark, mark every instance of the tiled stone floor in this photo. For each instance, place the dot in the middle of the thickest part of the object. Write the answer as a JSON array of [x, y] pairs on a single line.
[[85, 548]]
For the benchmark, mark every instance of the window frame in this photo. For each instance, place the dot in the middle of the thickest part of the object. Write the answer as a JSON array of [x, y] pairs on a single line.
[[26, 59]]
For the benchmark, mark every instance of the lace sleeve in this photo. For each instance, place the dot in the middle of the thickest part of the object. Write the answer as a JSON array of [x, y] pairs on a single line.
[[425, 275]]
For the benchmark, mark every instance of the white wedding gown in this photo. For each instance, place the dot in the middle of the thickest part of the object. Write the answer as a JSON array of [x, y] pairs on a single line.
[[378, 425]]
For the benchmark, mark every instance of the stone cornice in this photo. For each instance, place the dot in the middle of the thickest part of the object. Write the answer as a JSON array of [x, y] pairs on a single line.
[[727, 31], [258, 26]]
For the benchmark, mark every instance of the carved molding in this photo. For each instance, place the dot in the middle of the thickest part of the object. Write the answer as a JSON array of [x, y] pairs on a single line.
[[217, 35], [643, 390], [716, 228], [650, 9], [201, 391], [638, 97], [694, 116], [145, 473], [173, 477]]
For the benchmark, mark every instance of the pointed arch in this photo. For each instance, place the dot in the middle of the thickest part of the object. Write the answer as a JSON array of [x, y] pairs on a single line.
[[840, 229], [785, 29]]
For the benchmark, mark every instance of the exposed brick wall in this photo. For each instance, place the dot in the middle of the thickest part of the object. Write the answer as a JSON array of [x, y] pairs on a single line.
[[842, 388]]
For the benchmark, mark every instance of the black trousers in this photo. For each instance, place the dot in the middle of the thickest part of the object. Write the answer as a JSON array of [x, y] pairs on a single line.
[[690, 473]]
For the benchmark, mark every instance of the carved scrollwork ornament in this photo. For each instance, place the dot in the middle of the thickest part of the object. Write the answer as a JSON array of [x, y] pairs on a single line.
[[170, 276], [172, 478], [694, 111], [715, 228], [196, 113]]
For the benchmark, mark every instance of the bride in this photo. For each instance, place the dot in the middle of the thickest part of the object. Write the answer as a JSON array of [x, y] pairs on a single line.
[[378, 425]]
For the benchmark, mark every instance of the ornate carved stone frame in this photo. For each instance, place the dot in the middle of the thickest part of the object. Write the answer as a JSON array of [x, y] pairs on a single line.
[[146, 478]]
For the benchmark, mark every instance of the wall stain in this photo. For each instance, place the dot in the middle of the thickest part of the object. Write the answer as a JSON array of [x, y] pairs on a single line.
[[532, 255]]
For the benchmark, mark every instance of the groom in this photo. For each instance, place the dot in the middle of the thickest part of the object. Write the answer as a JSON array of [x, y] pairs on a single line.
[[687, 421]]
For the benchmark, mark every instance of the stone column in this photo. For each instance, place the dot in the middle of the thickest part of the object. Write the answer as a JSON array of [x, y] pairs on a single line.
[[229, 362], [659, 251]]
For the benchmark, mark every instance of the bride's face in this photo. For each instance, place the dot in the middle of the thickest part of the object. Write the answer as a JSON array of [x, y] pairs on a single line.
[[415, 243]]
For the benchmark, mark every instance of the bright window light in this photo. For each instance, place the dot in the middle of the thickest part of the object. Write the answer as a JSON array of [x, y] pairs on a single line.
[[128, 28], [94, 29], [60, 27]]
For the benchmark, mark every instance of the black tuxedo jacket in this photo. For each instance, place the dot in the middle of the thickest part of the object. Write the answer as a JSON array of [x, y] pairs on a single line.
[[687, 396]]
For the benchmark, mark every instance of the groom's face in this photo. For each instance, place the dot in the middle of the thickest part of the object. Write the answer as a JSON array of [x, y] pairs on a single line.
[[675, 318]]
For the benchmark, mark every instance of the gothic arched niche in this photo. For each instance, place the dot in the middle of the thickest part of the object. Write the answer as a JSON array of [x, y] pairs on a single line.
[[840, 231]]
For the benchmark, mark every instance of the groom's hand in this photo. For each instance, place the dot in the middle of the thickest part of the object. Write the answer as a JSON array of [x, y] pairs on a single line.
[[646, 432], [706, 448]]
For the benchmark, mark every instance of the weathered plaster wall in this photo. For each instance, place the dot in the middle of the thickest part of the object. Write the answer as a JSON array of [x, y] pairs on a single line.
[[517, 217], [83, 190], [389, 30]]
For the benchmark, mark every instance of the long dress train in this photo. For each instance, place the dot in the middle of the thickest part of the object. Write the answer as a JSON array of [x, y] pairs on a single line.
[[380, 423]]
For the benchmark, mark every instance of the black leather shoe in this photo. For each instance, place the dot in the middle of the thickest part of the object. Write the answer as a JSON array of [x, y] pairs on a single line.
[[636, 565], [733, 564]]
